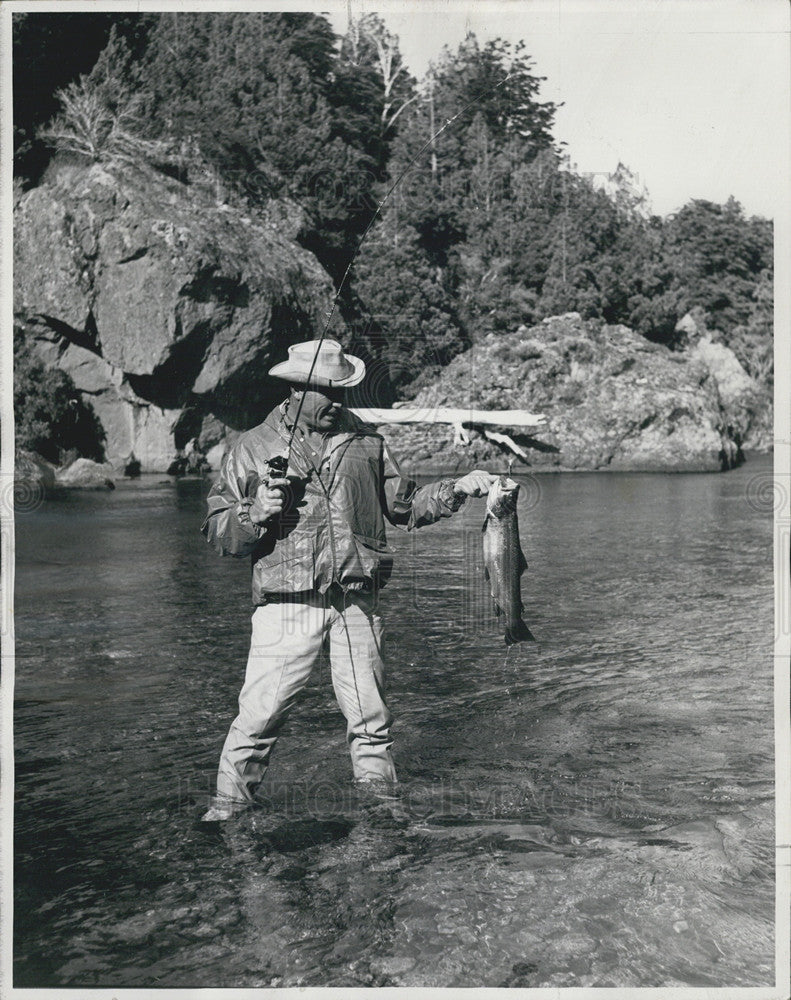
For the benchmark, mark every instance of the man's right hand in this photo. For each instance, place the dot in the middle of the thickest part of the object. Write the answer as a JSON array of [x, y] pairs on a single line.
[[269, 501]]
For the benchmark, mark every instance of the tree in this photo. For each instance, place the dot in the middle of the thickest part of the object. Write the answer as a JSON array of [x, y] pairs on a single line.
[[461, 181], [101, 114], [708, 258], [50, 51], [752, 342], [409, 321], [496, 82], [717, 256], [584, 234], [49, 414], [262, 96], [368, 44]]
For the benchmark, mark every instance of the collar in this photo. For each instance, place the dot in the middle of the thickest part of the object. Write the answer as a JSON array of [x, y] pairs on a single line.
[[348, 423], [349, 427]]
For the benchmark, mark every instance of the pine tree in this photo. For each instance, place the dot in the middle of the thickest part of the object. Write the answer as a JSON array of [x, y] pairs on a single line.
[[101, 115], [408, 320], [51, 51]]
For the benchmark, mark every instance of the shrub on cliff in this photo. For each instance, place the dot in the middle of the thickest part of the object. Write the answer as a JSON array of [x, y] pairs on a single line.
[[101, 115], [49, 415], [50, 51]]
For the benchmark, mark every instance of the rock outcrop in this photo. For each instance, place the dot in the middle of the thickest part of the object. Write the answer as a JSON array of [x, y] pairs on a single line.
[[746, 404], [164, 306], [167, 309], [34, 477], [613, 400]]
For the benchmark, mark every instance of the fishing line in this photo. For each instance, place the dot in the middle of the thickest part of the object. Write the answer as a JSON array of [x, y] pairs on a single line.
[[429, 142], [351, 664], [330, 504]]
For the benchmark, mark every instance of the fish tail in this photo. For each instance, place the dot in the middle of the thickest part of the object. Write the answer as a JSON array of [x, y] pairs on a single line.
[[518, 632]]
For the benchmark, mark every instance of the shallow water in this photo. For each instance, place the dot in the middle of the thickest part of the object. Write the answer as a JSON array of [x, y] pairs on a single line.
[[595, 809]]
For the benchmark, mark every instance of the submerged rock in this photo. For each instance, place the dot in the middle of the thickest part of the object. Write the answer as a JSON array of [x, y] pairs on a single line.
[[393, 965]]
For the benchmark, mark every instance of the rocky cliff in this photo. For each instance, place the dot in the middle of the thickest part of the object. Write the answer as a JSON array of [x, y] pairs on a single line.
[[166, 307], [612, 399]]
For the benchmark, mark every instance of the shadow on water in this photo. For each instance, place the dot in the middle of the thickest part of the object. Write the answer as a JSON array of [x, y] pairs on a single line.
[[592, 810], [307, 834]]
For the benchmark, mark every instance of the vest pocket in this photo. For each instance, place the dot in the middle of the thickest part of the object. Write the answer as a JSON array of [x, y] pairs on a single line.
[[290, 568]]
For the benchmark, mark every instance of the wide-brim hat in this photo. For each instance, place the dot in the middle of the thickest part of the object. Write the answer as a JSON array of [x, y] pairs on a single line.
[[332, 369]]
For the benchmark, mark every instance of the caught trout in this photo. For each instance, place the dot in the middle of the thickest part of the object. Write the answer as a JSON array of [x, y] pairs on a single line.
[[503, 558]]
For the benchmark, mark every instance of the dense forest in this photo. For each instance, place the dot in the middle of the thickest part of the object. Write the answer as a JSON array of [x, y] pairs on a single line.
[[474, 222]]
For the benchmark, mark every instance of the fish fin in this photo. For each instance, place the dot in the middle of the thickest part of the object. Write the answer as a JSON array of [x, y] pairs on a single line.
[[486, 572], [521, 563], [518, 632], [497, 609], [485, 522]]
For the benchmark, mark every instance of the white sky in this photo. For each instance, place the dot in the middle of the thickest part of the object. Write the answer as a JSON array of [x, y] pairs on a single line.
[[691, 96]]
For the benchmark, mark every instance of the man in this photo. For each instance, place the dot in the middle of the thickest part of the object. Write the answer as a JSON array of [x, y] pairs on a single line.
[[316, 535]]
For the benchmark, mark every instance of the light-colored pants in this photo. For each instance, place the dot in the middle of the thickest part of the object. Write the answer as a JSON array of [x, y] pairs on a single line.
[[286, 642]]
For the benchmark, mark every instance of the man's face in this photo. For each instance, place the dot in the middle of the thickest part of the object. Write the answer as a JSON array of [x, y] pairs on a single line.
[[321, 408]]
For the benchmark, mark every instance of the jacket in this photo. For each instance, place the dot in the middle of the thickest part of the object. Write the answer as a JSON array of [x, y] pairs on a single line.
[[332, 529]]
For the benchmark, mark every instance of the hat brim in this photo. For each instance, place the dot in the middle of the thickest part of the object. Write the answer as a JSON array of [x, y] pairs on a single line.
[[291, 373]]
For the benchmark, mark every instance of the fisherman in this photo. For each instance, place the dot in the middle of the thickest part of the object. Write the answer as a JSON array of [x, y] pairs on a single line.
[[316, 535]]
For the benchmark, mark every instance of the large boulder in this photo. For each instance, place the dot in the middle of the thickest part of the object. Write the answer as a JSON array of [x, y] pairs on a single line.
[[746, 404], [85, 474], [613, 400], [161, 302]]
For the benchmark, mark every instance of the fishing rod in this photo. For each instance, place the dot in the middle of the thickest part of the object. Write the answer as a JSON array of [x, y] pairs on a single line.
[[279, 464], [429, 142]]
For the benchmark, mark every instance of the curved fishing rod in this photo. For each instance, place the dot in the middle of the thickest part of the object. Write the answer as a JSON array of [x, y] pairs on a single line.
[[379, 208]]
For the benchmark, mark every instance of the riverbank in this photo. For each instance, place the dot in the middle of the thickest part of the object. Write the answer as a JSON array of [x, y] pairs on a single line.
[[36, 480], [167, 330]]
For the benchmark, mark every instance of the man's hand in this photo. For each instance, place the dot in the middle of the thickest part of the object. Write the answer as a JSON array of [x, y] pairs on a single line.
[[475, 484], [268, 502]]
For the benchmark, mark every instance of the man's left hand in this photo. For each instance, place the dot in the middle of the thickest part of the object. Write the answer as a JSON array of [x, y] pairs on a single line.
[[475, 484]]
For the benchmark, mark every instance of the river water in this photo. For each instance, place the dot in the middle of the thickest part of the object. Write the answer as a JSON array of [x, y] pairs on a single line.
[[595, 809]]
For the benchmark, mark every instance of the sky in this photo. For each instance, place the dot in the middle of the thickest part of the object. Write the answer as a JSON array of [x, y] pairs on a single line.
[[693, 97]]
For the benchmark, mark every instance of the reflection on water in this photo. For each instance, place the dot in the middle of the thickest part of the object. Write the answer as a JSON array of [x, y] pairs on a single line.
[[591, 810]]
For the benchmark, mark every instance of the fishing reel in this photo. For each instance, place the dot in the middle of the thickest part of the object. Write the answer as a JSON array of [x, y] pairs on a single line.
[[294, 490], [277, 468]]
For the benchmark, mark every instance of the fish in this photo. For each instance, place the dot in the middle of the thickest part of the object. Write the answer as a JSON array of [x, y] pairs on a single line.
[[504, 561]]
